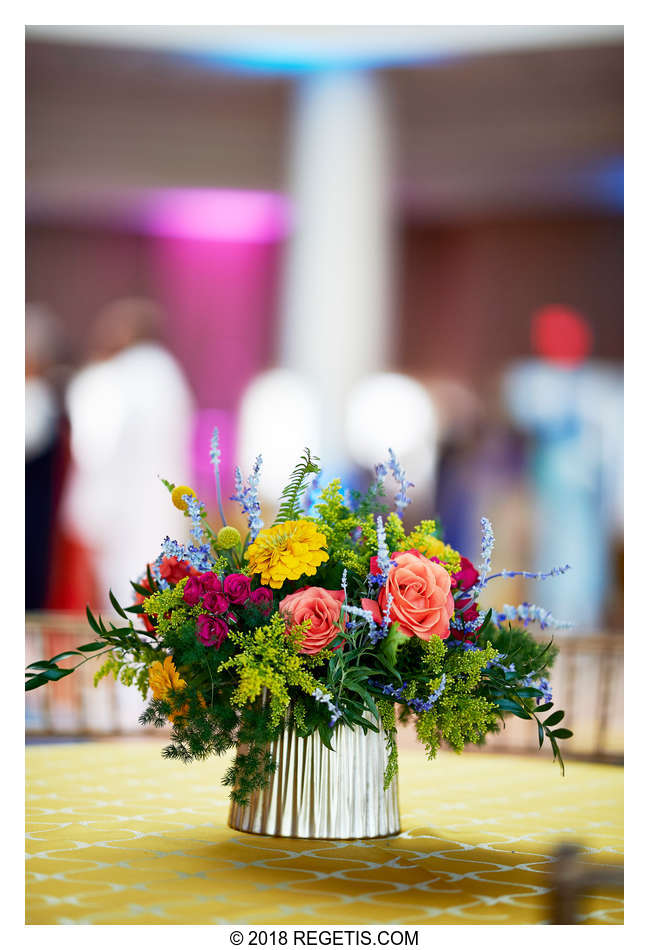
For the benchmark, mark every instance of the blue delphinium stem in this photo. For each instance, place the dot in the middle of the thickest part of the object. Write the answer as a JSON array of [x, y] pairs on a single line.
[[247, 496], [199, 556], [215, 458], [195, 512]]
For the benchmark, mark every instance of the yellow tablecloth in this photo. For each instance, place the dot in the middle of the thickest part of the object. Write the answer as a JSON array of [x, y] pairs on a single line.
[[117, 835]]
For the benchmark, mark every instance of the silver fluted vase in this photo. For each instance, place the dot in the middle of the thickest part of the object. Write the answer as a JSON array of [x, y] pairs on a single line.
[[316, 793]]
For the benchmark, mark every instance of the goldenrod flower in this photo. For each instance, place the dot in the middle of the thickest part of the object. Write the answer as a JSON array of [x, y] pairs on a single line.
[[434, 547], [177, 496], [164, 677], [287, 551]]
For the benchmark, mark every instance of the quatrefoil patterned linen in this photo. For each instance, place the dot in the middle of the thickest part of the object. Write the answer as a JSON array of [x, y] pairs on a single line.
[[116, 835]]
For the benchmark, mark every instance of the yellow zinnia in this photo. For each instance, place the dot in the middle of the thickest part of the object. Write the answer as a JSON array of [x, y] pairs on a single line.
[[287, 551], [164, 677]]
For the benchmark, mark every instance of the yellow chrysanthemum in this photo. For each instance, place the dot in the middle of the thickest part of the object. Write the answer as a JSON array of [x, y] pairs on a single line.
[[287, 551], [177, 496], [164, 677]]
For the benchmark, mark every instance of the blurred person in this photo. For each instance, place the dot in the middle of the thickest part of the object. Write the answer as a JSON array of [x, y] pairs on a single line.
[[44, 449], [131, 415], [573, 409], [481, 472]]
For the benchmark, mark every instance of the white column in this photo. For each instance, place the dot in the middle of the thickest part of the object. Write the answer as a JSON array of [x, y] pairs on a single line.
[[335, 307]]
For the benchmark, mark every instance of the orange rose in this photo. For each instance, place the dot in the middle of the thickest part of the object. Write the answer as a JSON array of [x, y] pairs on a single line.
[[322, 608], [422, 602]]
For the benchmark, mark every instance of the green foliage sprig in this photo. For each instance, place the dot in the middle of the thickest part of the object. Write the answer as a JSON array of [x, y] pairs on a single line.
[[130, 644], [508, 688], [290, 508]]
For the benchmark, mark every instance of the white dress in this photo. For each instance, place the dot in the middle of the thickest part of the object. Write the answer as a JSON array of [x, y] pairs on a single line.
[[131, 420]]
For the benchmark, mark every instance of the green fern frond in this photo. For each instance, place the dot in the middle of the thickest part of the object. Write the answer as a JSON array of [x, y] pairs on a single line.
[[289, 509]]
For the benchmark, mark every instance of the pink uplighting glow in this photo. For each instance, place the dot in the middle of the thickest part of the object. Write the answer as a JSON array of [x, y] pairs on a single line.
[[218, 215]]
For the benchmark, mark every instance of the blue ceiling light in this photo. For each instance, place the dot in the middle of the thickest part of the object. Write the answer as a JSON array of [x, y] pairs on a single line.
[[292, 63]]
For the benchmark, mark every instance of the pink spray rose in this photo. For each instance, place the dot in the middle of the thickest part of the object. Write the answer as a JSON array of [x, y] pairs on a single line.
[[237, 588], [211, 631], [211, 581], [192, 591], [467, 576], [214, 602], [262, 598], [464, 579]]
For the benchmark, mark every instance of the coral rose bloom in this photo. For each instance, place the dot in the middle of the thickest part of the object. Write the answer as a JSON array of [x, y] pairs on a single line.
[[322, 608], [421, 591]]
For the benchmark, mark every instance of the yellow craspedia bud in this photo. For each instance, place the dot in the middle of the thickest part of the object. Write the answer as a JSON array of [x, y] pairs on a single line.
[[177, 496], [227, 538]]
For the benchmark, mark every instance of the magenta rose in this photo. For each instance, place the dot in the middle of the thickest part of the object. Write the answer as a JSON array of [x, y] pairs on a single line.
[[211, 631], [237, 588], [263, 599], [467, 576], [192, 591], [214, 602], [211, 581], [465, 611]]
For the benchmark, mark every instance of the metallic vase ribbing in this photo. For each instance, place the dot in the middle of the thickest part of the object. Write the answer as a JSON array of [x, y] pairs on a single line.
[[316, 793]]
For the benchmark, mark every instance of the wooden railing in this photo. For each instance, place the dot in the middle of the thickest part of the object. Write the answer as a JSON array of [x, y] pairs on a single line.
[[73, 706], [588, 683]]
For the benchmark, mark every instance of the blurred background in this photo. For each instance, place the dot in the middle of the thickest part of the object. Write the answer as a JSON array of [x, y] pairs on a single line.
[[352, 238]]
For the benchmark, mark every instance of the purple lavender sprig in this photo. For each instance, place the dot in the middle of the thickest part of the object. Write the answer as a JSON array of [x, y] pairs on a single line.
[[419, 705], [375, 632], [321, 697], [383, 553], [401, 498], [531, 575], [529, 613]]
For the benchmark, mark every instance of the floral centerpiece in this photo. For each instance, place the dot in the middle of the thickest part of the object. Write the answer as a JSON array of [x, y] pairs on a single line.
[[333, 621]]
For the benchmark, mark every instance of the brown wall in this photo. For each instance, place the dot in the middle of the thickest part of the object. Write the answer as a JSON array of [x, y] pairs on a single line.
[[468, 291], [77, 271]]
